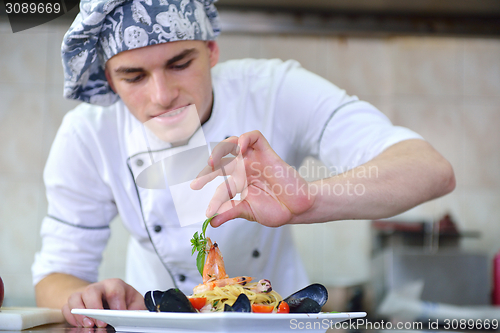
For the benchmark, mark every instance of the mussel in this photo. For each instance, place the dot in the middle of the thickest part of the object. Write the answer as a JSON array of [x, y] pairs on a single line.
[[242, 304], [152, 300], [308, 300], [172, 300]]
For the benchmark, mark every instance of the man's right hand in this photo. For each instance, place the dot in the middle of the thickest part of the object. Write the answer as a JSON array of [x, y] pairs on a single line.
[[112, 294]]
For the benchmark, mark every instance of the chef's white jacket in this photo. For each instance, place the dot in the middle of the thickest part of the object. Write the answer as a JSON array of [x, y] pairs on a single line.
[[89, 177]]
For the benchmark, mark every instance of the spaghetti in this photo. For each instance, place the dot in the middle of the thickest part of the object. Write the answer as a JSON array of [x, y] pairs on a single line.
[[219, 296]]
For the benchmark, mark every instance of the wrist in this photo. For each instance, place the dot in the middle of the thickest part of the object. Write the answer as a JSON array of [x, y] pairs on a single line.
[[325, 203]]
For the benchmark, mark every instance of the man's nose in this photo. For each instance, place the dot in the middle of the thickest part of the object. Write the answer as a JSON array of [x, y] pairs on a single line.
[[164, 91]]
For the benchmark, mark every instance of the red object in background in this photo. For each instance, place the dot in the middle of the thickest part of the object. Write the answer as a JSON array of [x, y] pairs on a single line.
[[495, 299], [447, 226], [1, 292]]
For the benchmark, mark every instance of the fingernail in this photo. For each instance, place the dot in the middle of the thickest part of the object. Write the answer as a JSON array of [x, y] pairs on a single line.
[[238, 148], [101, 324], [87, 322]]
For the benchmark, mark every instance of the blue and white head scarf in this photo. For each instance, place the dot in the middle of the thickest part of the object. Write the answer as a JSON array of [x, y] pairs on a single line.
[[104, 28]]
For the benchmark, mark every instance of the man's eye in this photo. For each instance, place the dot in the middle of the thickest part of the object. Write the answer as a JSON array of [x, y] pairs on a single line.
[[134, 79], [182, 66]]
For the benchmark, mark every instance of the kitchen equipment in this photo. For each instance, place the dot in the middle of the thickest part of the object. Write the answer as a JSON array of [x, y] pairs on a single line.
[[428, 251]]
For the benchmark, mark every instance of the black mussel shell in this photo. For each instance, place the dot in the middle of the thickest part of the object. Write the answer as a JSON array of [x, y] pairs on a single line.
[[315, 291], [242, 304], [152, 300], [174, 300], [303, 305], [308, 300]]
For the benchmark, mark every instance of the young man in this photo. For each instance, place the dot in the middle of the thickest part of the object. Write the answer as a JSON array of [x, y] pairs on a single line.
[[137, 61]]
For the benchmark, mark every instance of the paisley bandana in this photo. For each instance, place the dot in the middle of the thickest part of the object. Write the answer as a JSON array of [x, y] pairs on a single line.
[[104, 28]]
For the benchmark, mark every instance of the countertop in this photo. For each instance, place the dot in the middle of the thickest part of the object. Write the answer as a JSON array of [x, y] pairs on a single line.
[[64, 328]]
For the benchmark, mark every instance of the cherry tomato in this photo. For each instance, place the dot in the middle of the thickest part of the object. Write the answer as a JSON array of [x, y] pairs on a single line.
[[262, 308], [283, 307], [198, 302]]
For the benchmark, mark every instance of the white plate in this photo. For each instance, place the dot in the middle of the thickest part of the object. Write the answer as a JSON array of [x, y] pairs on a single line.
[[145, 321]]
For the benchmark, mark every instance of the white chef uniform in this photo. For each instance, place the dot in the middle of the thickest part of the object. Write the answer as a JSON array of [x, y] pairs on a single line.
[[89, 177]]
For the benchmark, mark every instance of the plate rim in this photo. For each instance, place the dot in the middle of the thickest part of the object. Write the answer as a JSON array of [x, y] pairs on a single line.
[[214, 315], [142, 321]]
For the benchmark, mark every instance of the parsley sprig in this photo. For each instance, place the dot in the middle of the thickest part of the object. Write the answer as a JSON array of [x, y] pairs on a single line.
[[199, 243]]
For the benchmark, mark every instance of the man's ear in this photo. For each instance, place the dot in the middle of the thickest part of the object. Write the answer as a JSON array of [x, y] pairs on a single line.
[[213, 49], [108, 77]]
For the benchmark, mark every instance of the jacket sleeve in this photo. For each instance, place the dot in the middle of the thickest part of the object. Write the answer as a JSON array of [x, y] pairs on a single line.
[[80, 205], [322, 121]]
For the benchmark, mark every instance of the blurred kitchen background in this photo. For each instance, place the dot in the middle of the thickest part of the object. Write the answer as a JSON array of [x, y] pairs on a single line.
[[432, 66]]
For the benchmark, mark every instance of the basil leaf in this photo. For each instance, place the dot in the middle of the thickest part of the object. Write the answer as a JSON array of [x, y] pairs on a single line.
[[195, 242], [199, 243], [200, 262], [205, 225]]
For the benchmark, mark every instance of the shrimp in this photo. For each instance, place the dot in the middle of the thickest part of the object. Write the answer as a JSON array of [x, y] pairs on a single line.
[[214, 263], [214, 272]]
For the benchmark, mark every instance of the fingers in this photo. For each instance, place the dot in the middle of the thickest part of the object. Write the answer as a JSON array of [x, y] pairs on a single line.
[[135, 300], [122, 296], [115, 293], [241, 209], [250, 148], [92, 298], [208, 174], [254, 140], [232, 185], [223, 148], [238, 145], [224, 192], [235, 146], [137, 303], [70, 318], [75, 301]]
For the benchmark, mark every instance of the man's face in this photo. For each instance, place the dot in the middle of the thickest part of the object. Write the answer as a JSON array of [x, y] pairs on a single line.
[[160, 79]]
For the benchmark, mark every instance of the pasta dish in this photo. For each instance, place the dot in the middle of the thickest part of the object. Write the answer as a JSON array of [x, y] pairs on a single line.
[[218, 289]]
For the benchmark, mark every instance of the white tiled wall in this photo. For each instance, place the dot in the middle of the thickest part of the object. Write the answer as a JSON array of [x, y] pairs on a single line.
[[447, 89]]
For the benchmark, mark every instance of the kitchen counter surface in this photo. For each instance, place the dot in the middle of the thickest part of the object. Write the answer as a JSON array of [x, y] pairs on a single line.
[[64, 328]]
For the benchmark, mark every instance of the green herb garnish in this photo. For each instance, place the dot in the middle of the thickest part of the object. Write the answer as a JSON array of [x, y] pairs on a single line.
[[199, 243]]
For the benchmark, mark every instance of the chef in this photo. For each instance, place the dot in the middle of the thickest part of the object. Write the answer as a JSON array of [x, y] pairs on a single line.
[[131, 62]]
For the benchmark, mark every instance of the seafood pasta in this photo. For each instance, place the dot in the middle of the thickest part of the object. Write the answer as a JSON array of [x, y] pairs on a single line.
[[219, 296], [219, 290]]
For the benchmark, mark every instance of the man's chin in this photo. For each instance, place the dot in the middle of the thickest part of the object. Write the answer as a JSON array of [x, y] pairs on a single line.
[[175, 136], [178, 128]]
